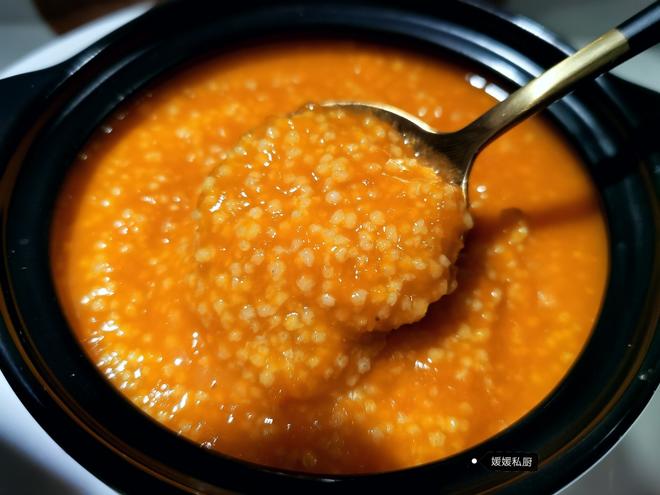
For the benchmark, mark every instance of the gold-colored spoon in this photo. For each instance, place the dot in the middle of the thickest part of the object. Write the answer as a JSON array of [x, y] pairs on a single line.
[[458, 149]]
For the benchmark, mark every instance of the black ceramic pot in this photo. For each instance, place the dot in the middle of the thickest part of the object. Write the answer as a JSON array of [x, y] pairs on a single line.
[[46, 116]]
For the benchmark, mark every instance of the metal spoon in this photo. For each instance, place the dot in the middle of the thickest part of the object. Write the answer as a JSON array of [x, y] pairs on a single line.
[[459, 148]]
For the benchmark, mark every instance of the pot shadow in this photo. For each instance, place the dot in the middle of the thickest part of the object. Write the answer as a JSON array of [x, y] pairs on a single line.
[[618, 472], [21, 475]]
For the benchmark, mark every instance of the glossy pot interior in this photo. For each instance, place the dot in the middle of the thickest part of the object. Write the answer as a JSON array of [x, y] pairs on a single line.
[[56, 110]]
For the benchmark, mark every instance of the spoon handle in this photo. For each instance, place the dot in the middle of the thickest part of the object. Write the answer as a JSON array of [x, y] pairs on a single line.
[[615, 46], [643, 29]]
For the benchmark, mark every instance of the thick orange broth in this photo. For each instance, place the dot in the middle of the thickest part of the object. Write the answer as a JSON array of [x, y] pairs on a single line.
[[125, 242]]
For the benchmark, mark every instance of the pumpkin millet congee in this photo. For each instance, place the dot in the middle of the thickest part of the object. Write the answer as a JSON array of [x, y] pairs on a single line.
[[300, 288]]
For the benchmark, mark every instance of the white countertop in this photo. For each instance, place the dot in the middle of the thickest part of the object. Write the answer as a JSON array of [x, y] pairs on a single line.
[[31, 463]]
